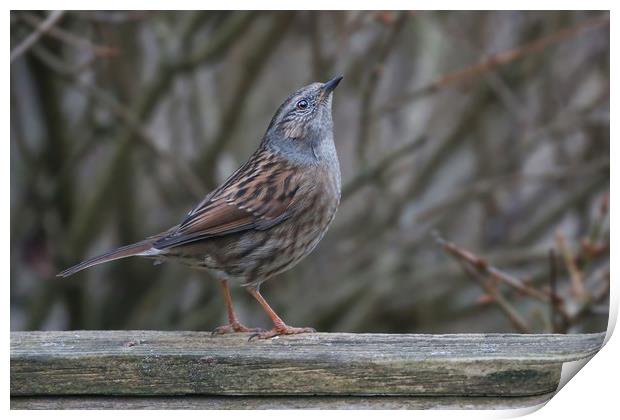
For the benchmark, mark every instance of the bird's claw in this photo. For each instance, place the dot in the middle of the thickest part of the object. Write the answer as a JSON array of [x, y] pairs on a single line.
[[233, 328], [281, 330]]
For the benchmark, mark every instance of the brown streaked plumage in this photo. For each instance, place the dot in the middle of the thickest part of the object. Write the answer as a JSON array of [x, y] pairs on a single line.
[[267, 216]]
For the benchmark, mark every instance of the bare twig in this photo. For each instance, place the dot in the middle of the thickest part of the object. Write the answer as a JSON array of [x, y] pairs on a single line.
[[71, 39], [568, 309], [493, 62], [496, 296], [319, 63], [499, 86], [576, 276], [590, 246], [51, 20], [538, 225], [479, 270], [368, 91], [583, 307], [375, 171], [484, 186], [483, 266], [235, 26], [555, 298]]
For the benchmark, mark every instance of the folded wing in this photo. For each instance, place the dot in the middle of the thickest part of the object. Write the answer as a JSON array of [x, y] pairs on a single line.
[[261, 194]]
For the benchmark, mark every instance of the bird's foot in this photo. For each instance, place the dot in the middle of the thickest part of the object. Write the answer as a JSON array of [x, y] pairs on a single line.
[[281, 330], [235, 327]]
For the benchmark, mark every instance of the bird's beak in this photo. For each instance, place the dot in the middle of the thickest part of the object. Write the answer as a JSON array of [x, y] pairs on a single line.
[[331, 84]]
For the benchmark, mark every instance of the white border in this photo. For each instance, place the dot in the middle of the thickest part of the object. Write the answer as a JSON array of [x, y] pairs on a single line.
[[592, 393]]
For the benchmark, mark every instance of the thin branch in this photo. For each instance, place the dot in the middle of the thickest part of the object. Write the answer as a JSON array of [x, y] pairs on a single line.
[[484, 267], [539, 225], [503, 91], [493, 62], [464, 193], [369, 89], [590, 246], [375, 171], [70, 38], [51, 20], [554, 307], [319, 63], [479, 270], [582, 308], [235, 26], [496, 296], [576, 276]]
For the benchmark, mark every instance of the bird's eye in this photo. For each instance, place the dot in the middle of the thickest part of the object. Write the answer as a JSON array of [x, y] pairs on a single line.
[[303, 104]]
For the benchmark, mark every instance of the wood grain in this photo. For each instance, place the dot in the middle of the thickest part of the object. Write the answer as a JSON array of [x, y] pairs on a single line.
[[155, 363]]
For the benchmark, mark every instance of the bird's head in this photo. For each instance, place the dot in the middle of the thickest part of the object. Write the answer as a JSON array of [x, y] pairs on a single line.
[[305, 117]]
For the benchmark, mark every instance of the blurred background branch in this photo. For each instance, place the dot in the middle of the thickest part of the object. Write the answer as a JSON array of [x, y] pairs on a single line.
[[39, 30], [489, 127]]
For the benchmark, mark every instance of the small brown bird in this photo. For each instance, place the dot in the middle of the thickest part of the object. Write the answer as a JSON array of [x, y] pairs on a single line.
[[267, 216]]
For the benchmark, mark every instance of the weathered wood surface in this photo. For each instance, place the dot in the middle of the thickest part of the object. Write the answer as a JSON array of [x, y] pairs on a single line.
[[183, 363], [208, 402]]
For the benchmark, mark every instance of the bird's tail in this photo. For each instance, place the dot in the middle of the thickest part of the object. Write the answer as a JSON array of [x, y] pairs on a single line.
[[139, 248]]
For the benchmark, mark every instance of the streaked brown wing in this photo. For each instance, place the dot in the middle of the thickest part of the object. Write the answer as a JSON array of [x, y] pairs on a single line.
[[261, 194]]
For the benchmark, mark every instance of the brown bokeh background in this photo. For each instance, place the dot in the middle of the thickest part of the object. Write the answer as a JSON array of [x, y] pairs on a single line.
[[487, 129]]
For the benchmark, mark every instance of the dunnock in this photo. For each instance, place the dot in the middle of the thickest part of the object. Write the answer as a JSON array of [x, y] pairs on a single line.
[[267, 216]]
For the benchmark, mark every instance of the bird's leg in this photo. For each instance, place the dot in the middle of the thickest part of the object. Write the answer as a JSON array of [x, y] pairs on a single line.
[[280, 328], [233, 323]]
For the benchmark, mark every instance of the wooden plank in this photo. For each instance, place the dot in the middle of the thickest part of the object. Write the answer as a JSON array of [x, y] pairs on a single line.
[[182, 363], [193, 402]]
